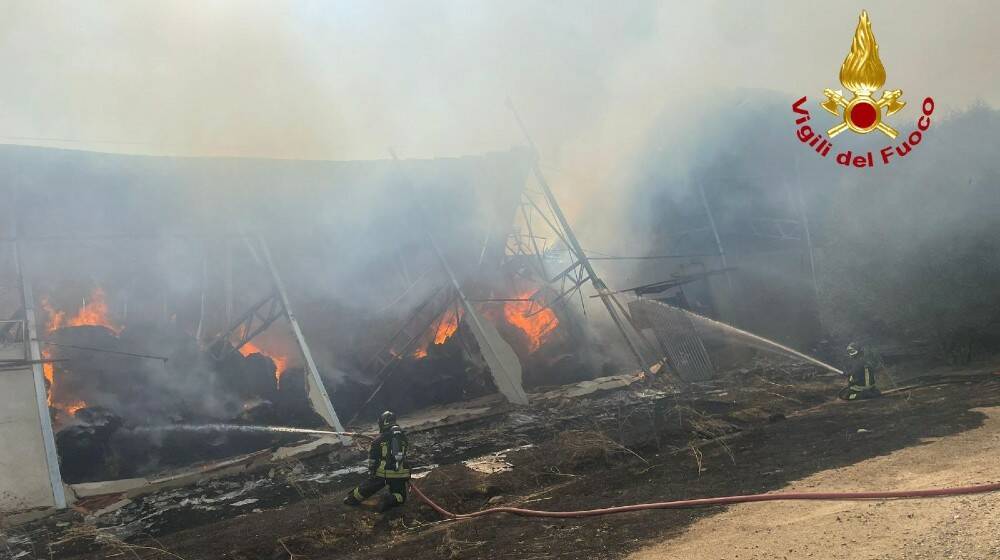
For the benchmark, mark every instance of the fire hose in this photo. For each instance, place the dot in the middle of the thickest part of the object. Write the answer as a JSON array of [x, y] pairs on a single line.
[[722, 500], [727, 500]]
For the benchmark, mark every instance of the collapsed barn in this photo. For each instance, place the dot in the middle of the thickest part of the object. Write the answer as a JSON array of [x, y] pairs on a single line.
[[159, 294]]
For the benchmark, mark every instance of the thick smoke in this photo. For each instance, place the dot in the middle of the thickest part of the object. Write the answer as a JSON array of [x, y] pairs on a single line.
[[914, 255], [315, 80], [632, 107], [344, 80], [902, 253]]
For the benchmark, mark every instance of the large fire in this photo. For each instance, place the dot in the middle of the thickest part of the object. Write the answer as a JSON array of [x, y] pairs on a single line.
[[69, 406], [94, 311], [535, 321], [444, 328], [447, 326], [56, 318], [280, 361], [50, 374]]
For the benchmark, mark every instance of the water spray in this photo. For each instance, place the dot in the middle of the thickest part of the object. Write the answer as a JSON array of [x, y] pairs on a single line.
[[766, 341], [201, 428]]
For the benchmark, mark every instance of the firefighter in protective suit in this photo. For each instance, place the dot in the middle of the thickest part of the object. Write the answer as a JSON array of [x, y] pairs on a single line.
[[387, 466], [860, 373]]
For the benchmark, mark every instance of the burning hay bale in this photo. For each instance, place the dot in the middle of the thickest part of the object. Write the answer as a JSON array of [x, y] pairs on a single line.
[[113, 411]]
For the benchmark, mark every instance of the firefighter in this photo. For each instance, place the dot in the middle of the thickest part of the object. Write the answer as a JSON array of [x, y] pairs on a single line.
[[860, 373], [387, 466]]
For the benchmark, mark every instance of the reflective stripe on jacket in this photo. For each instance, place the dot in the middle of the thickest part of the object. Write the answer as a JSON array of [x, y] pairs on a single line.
[[388, 454]]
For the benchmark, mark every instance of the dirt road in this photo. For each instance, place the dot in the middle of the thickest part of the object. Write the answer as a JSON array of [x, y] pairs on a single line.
[[965, 527]]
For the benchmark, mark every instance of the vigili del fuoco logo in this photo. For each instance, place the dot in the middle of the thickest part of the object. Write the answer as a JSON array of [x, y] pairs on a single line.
[[862, 74]]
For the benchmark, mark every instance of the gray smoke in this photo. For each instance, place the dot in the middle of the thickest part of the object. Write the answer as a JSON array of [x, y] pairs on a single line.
[[631, 106]]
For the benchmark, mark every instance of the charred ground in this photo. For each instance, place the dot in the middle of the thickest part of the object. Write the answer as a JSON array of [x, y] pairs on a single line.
[[754, 430]]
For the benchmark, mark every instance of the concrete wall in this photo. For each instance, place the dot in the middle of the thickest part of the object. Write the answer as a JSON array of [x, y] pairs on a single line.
[[24, 476]]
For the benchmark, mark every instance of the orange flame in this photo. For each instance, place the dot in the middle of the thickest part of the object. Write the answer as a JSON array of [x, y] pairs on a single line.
[[75, 407], [49, 370], [94, 312], [56, 318], [70, 407], [445, 327], [280, 361], [536, 322]]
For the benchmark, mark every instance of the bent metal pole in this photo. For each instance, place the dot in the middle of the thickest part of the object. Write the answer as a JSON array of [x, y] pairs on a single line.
[[607, 297], [504, 365], [325, 408]]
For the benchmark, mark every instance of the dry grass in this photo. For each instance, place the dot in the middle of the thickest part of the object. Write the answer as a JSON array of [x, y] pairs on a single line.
[[112, 545], [574, 448], [703, 430], [699, 457], [291, 555], [451, 547], [344, 532]]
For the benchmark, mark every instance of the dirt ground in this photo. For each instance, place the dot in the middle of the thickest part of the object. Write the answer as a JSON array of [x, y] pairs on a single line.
[[960, 527], [757, 431]]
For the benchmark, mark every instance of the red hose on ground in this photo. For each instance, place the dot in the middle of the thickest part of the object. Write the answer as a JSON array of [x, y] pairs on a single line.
[[929, 493]]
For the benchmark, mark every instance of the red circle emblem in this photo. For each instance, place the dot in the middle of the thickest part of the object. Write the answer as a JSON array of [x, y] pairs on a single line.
[[863, 115]]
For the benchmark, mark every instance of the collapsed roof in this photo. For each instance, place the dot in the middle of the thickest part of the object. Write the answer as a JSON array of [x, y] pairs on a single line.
[[168, 241]]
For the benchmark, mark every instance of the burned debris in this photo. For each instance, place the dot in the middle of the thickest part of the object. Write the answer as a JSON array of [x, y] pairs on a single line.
[[140, 332], [246, 335]]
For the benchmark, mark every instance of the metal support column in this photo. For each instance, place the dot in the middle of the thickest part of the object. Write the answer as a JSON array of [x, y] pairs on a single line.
[[504, 365], [715, 232], [254, 321], [327, 411], [41, 395]]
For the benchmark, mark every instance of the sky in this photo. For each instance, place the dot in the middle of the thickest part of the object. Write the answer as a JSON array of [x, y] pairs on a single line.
[[349, 79]]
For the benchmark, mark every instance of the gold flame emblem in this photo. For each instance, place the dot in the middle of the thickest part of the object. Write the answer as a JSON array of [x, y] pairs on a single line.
[[863, 74]]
